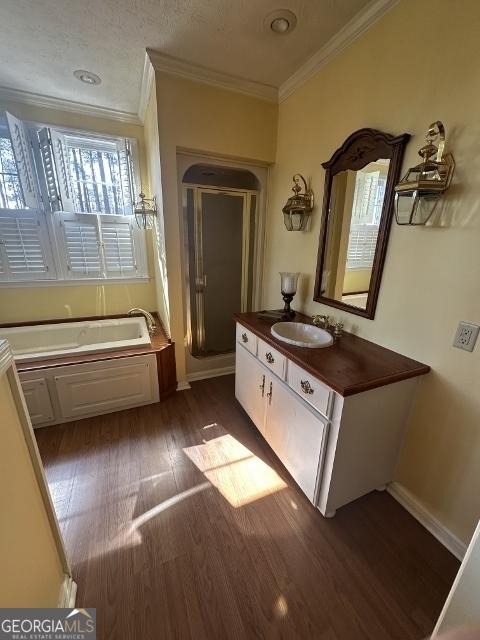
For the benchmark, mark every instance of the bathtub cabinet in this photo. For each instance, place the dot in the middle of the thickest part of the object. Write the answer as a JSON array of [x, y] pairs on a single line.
[[65, 393], [39, 402]]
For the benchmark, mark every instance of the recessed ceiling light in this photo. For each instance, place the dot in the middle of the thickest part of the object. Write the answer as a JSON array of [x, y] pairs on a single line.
[[280, 22], [87, 77]]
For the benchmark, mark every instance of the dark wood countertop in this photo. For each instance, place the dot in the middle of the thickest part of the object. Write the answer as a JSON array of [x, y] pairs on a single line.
[[351, 365]]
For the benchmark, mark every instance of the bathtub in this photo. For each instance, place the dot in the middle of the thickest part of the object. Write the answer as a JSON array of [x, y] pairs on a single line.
[[46, 341]]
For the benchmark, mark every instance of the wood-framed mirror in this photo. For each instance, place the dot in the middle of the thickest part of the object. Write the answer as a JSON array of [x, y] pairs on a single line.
[[357, 214]]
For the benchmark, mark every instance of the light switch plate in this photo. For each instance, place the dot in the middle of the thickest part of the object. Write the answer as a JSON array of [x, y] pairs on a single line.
[[466, 336]]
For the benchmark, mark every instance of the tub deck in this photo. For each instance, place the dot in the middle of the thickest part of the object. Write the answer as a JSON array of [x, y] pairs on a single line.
[[161, 346]]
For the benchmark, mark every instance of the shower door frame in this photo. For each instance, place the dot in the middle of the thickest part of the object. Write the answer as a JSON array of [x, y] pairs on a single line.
[[200, 280]]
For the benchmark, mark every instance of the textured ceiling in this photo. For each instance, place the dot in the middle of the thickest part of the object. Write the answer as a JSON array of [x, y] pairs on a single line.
[[43, 41]]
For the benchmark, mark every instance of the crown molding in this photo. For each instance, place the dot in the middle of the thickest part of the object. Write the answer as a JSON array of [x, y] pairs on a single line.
[[148, 79], [156, 61], [360, 23], [8, 94], [205, 75]]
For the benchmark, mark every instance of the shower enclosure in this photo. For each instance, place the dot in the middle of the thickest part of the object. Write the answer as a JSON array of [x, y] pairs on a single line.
[[220, 223]]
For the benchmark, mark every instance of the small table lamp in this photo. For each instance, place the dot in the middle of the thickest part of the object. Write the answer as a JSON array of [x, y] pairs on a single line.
[[289, 283]]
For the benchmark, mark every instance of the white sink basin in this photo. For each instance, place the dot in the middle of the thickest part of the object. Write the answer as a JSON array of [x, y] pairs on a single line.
[[302, 335]]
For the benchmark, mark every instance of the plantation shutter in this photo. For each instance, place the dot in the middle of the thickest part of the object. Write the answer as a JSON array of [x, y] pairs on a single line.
[[57, 174], [362, 244], [123, 246], [126, 175], [118, 241], [22, 151], [25, 252], [81, 245]]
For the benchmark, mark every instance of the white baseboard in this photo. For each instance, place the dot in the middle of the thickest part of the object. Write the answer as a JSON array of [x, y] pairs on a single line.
[[211, 373], [183, 386], [421, 513], [68, 593]]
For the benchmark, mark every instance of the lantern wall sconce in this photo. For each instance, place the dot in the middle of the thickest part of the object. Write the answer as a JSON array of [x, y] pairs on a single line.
[[145, 211], [299, 206], [419, 191]]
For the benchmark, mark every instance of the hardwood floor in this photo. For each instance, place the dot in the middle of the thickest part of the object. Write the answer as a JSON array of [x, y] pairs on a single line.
[[181, 523]]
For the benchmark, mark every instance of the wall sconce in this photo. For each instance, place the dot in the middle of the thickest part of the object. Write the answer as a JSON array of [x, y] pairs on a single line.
[[419, 191], [145, 210], [299, 206]]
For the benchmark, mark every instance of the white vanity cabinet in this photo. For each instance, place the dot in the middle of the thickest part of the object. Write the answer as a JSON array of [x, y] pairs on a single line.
[[337, 448], [294, 431]]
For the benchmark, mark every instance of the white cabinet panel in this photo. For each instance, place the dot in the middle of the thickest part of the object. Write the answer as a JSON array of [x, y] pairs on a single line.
[[296, 434], [117, 385], [39, 403], [250, 385]]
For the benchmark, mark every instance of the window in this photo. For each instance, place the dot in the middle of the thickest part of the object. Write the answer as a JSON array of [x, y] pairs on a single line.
[[11, 196], [366, 215], [66, 206]]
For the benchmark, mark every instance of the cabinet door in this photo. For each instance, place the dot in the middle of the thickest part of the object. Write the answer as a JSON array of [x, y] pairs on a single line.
[[102, 388], [37, 398], [296, 433], [250, 385]]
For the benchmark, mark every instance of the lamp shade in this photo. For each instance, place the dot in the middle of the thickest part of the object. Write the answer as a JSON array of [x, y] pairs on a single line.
[[419, 191]]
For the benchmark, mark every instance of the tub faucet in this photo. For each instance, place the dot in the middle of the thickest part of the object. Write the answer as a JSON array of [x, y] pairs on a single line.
[[149, 319]]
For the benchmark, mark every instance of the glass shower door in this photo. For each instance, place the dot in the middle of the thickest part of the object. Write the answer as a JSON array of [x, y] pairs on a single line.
[[220, 222]]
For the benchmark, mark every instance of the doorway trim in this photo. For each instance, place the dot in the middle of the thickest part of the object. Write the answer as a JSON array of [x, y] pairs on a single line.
[[185, 160]]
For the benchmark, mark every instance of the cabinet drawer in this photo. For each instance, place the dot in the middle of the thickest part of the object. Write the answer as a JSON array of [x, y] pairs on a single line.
[[247, 338], [271, 358], [309, 388]]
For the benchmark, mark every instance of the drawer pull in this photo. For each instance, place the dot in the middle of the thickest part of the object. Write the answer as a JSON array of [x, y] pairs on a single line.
[[270, 394], [262, 386], [306, 388], [244, 337], [269, 358]]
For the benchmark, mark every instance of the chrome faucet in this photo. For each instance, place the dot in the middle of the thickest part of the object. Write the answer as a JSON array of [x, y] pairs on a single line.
[[149, 319], [329, 324]]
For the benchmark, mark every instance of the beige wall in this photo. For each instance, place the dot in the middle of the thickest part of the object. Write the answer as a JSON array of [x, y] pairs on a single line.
[[32, 572], [431, 277], [43, 303], [356, 280], [205, 119], [152, 154]]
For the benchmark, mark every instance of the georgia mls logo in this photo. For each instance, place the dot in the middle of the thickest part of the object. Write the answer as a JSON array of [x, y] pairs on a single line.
[[47, 624]]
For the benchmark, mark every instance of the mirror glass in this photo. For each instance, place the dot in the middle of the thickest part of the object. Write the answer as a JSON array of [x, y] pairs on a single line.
[[354, 214]]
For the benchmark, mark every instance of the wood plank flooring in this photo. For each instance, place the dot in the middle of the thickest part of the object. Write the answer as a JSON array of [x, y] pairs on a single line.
[[181, 523]]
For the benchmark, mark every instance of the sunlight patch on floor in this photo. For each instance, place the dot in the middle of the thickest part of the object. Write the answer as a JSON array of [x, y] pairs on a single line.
[[280, 608], [166, 504], [239, 475]]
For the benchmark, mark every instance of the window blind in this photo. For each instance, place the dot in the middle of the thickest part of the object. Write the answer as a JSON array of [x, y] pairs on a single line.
[[24, 245]]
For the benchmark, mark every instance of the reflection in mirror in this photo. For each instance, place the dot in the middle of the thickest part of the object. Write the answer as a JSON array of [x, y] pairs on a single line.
[[355, 211]]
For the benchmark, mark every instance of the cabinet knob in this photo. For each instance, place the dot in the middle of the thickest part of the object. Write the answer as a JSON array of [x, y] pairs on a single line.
[[244, 337], [269, 358], [306, 388]]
